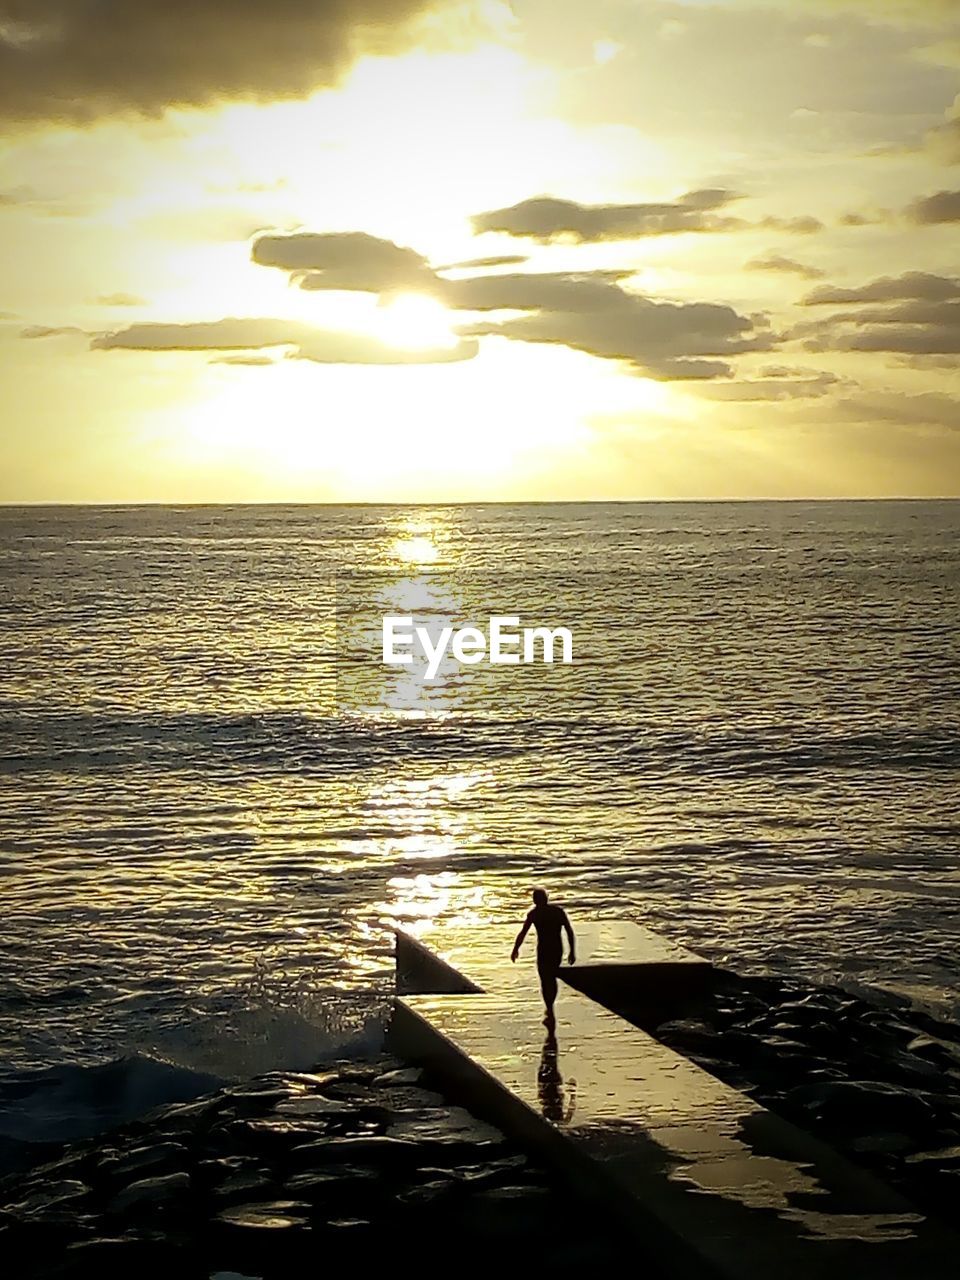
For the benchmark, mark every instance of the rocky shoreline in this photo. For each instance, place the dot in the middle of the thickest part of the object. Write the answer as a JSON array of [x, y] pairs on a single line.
[[261, 1179], [879, 1082], [256, 1179]]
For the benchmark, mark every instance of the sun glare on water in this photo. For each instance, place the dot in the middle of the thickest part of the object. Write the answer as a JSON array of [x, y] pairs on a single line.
[[416, 550]]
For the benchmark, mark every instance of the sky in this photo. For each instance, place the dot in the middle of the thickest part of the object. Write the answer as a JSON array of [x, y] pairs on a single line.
[[404, 250]]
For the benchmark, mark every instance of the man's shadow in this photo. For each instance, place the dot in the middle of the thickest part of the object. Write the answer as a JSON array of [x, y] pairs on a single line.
[[556, 1104]]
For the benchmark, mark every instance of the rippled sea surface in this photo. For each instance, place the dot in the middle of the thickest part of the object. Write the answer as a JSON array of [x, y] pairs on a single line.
[[214, 798]]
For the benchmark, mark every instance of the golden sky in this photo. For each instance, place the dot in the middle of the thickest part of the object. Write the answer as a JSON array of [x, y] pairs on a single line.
[[414, 251]]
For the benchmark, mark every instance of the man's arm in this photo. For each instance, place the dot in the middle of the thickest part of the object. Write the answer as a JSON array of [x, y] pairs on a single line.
[[570, 939], [520, 936]]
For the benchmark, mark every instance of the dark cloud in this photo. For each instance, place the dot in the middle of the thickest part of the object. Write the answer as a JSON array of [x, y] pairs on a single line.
[[912, 333], [917, 311], [944, 206], [346, 260], [356, 261], [256, 362], [924, 408], [912, 284], [943, 142], [76, 60], [16, 196], [248, 334], [909, 340], [904, 13], [32, 201], [530, 291], [49, 331], [804, 225], [203, 335], [587, 311], [788, 266], [120, 300], [915, 314], [478, 264], [546, 218], [776, 382], [665, 340], [942, 315], [950, 363], [342, 348]]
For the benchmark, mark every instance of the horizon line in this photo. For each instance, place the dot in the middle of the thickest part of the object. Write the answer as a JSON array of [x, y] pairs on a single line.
[[470, 502]]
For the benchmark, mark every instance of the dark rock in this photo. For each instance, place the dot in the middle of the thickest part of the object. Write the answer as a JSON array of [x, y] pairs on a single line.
[[269, 1134], [312, 1081], [351, 1092], [476, 1176], [911, 1068], [73, 1166], [882, 1143], [322, 1183], [428, 1192], [159, 1155], [53, 1195], [735, 1046], [400, 1097], [273, 1215], [243, 1186], [506, 1213], [188, 1113], [258, 1099], [512, 1195], [789, 1028], [943, 1157], [851, 1104], [824, 1035], [314, 1105], [374, 1149], [776, 1044], [505, 1164], [150, 1193], [687, 1034], [224, 1166], [404, 1075], [107, 1256], [361, 1072], [803, 1008], [933, 1051], [450, 1125]]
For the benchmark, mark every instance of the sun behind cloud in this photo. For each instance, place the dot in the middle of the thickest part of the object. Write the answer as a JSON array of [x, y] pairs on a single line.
[[440, 249], [415, 322]]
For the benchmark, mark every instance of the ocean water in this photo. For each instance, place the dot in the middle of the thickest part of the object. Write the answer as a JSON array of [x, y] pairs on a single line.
[[215, 799]]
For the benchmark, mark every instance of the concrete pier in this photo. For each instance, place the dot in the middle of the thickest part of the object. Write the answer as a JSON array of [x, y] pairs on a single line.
[[618, 963], [712, 1183]]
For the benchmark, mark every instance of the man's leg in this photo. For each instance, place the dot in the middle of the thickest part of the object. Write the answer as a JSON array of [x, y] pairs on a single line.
[[548, 986]]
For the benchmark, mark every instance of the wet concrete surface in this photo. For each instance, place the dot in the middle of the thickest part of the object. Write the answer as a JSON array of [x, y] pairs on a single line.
[[712, 1180]]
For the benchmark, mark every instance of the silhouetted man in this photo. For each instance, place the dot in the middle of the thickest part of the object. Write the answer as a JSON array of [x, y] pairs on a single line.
[[548, 922]]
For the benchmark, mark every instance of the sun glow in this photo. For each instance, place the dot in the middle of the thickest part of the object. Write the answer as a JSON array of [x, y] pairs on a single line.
[[415, 323]]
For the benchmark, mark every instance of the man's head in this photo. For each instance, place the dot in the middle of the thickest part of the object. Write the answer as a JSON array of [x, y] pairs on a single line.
[[540, 897]]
